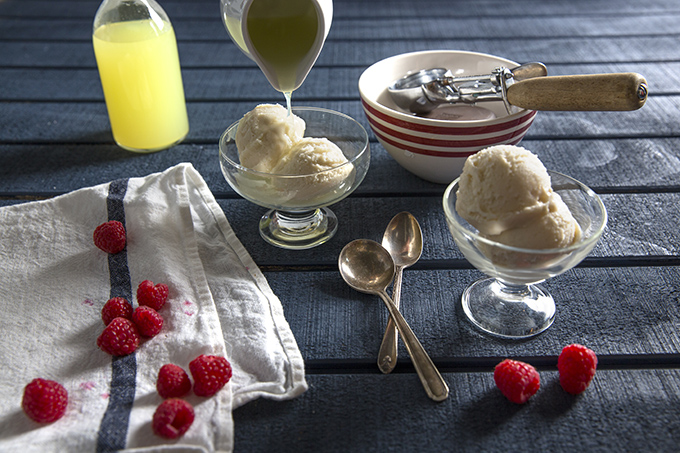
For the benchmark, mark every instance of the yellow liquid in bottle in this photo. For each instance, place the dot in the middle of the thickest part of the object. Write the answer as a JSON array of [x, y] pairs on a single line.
[[283, 33], [140, 74]]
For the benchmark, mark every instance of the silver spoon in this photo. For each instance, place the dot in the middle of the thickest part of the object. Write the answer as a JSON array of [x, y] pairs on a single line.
[[367, 267], [403, 239]]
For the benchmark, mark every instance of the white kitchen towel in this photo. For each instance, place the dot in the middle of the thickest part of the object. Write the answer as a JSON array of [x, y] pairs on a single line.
[[54, 282]]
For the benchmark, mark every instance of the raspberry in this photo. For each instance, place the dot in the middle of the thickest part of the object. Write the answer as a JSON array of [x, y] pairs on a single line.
[[110, 236], [172, 382], [210, 373], [152, 296], [172, 418], [147, 320], [44, 401], [577, 365], [518, 381], [117, 307], [119, 338]]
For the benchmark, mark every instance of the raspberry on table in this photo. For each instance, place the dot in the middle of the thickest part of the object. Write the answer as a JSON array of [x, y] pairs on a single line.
[[119, 338], [44, 401], [172, 382], [148, 321], [210, 374], [172, 418], [117, 307], [110, 236], [151, 295], [518, 381], [576, 365]]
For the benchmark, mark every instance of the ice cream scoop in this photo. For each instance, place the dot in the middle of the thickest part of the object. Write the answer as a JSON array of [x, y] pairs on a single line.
[[505, 192], [526, 86], [265, 135], [271, 141], [320, 161], [503, 187], [556, 229], [309, 155]]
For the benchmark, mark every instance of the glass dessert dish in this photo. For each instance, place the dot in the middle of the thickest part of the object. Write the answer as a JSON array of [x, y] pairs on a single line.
[[510, 303], [299, 217]]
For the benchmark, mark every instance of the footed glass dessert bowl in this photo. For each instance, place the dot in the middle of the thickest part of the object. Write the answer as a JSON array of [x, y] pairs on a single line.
[[299, 217], [510, 303]]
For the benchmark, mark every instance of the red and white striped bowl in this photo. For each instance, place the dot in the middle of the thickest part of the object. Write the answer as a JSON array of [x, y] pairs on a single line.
[[436, 149]]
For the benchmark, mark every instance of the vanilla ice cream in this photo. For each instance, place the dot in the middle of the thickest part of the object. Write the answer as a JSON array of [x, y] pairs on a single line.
[[505, 192], [310, 155], [265, 135], [312, 171], [320, 160]]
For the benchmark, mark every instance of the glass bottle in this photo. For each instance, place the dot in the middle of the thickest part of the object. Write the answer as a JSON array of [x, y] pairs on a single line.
[[136, 51]]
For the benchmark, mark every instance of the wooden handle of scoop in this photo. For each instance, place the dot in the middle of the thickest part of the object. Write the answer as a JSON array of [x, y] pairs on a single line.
[[603, 92]]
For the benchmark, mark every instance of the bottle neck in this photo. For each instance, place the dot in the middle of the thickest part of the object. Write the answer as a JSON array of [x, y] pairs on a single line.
[[112, 11]]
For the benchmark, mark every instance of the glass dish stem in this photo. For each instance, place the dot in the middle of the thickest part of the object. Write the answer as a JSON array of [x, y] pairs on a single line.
[[508, 310], [298, 230]]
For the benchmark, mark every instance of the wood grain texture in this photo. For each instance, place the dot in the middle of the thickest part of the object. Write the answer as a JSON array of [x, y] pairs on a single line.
[[623, 300], [636, 164], [621, 411], [590, 92]]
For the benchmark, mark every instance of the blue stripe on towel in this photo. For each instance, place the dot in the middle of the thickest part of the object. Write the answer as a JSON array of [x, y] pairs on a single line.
[[114, 426]]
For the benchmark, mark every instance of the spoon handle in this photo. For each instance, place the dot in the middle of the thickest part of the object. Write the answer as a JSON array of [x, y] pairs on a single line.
[[433, 382], [387, 355]]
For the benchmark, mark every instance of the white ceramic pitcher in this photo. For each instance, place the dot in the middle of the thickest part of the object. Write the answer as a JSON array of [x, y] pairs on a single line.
[[239, 18]]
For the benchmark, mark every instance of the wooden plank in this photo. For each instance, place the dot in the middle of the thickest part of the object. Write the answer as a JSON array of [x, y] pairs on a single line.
[[409, 26], [625, 240], [87, 122], [220, 85], [37, 82], [223, 53], [179, 10], [574, 50], [607, 165], [643, 237], [626, 311], [621, 411]]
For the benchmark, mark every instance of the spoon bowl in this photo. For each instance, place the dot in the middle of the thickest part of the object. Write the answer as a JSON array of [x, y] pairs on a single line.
[[365, 267], [403, 239]]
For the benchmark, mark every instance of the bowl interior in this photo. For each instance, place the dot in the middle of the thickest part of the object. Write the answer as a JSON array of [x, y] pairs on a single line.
[[374, 81], [302, 192], [342, 130], [530, 265]]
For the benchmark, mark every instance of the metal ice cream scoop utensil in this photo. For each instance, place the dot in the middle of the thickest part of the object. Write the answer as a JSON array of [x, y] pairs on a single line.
[[526, 86]]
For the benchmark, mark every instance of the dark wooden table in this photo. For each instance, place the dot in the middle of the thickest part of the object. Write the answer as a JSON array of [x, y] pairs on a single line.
[[623, 301]]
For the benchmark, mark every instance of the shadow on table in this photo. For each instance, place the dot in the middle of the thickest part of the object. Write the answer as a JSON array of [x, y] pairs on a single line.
[[488, 413]]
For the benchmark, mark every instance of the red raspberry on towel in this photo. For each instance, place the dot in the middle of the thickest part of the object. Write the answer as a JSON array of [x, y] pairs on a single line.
[[119, 338], [518, 381], [577, 365], [147, 320], [152, 296], [172, 418], [117, 307], [172, 382], [110, 236], [210, 373], [44, 401]]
